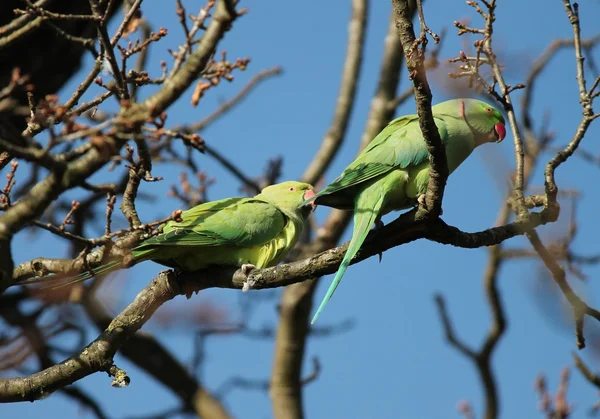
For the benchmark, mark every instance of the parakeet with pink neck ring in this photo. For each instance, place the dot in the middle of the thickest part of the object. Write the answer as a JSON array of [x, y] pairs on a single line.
[[392, 172]]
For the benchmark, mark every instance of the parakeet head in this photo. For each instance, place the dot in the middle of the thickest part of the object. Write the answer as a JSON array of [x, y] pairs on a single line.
[[290, 195], [482, 118]]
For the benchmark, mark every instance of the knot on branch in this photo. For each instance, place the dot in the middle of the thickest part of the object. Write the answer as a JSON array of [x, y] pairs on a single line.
[[551, 211], [120, 377]]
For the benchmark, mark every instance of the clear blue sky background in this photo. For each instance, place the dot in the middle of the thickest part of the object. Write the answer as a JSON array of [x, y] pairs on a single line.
[[394, 362]]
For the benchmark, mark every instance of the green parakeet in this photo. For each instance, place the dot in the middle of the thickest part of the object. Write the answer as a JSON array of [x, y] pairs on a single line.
[[392, 172], [248, 232]]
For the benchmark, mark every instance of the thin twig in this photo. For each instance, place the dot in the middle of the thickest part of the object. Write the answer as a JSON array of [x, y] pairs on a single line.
[[234, 101]]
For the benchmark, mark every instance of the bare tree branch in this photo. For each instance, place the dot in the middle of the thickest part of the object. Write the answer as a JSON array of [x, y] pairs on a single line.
[[482, 358], [98, 355], [296, 300], [594, 379], [64, 144], [415, 57], [174, 86], [40, 196], [147, 353], [234, 101]]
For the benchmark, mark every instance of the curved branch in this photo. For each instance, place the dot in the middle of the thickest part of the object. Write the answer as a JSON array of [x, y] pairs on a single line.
[[580, 308], [98, 355], [482, 358], [585, 99], [148, 354], [403, 230]]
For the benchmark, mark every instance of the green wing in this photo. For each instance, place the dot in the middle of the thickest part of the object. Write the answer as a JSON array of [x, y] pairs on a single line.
[[241, 222], [399, 145]]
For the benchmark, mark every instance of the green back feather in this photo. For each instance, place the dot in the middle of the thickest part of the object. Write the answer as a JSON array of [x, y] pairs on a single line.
[[239, 222], [398, 146]]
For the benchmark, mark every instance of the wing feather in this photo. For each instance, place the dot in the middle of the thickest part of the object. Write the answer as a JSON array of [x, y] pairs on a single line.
[[236, 221], [399, 145]]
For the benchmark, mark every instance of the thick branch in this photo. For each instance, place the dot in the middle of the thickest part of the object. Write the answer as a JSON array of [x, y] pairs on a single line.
[[401, 231], [147, 353], [98, 355], [296, 301]]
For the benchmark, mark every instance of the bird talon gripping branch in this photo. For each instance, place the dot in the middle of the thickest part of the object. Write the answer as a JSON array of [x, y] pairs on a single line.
[[248, 283]]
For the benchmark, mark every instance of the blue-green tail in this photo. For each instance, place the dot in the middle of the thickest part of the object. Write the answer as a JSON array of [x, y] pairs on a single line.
[[364, 218], [108, 267]]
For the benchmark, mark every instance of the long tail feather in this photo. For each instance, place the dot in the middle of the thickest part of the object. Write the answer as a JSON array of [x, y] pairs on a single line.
[[102, 269], [363, 220], [99, 270]]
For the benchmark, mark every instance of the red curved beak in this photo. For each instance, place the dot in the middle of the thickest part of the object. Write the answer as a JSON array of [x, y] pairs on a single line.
[[309, 194], [500, 131]]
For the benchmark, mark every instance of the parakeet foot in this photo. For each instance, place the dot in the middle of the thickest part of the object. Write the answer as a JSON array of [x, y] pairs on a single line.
[[421, 201], [246, 269], [187, 288]]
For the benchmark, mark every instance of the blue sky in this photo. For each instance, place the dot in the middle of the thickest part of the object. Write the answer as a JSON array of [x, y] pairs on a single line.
[[394, 362]]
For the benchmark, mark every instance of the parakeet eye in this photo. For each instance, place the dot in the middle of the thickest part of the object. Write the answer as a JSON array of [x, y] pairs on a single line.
[[489, 110], [292, 189]]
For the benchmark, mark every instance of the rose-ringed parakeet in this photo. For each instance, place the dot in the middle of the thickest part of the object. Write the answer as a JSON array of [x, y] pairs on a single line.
[[246, 232], [392, 172]]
